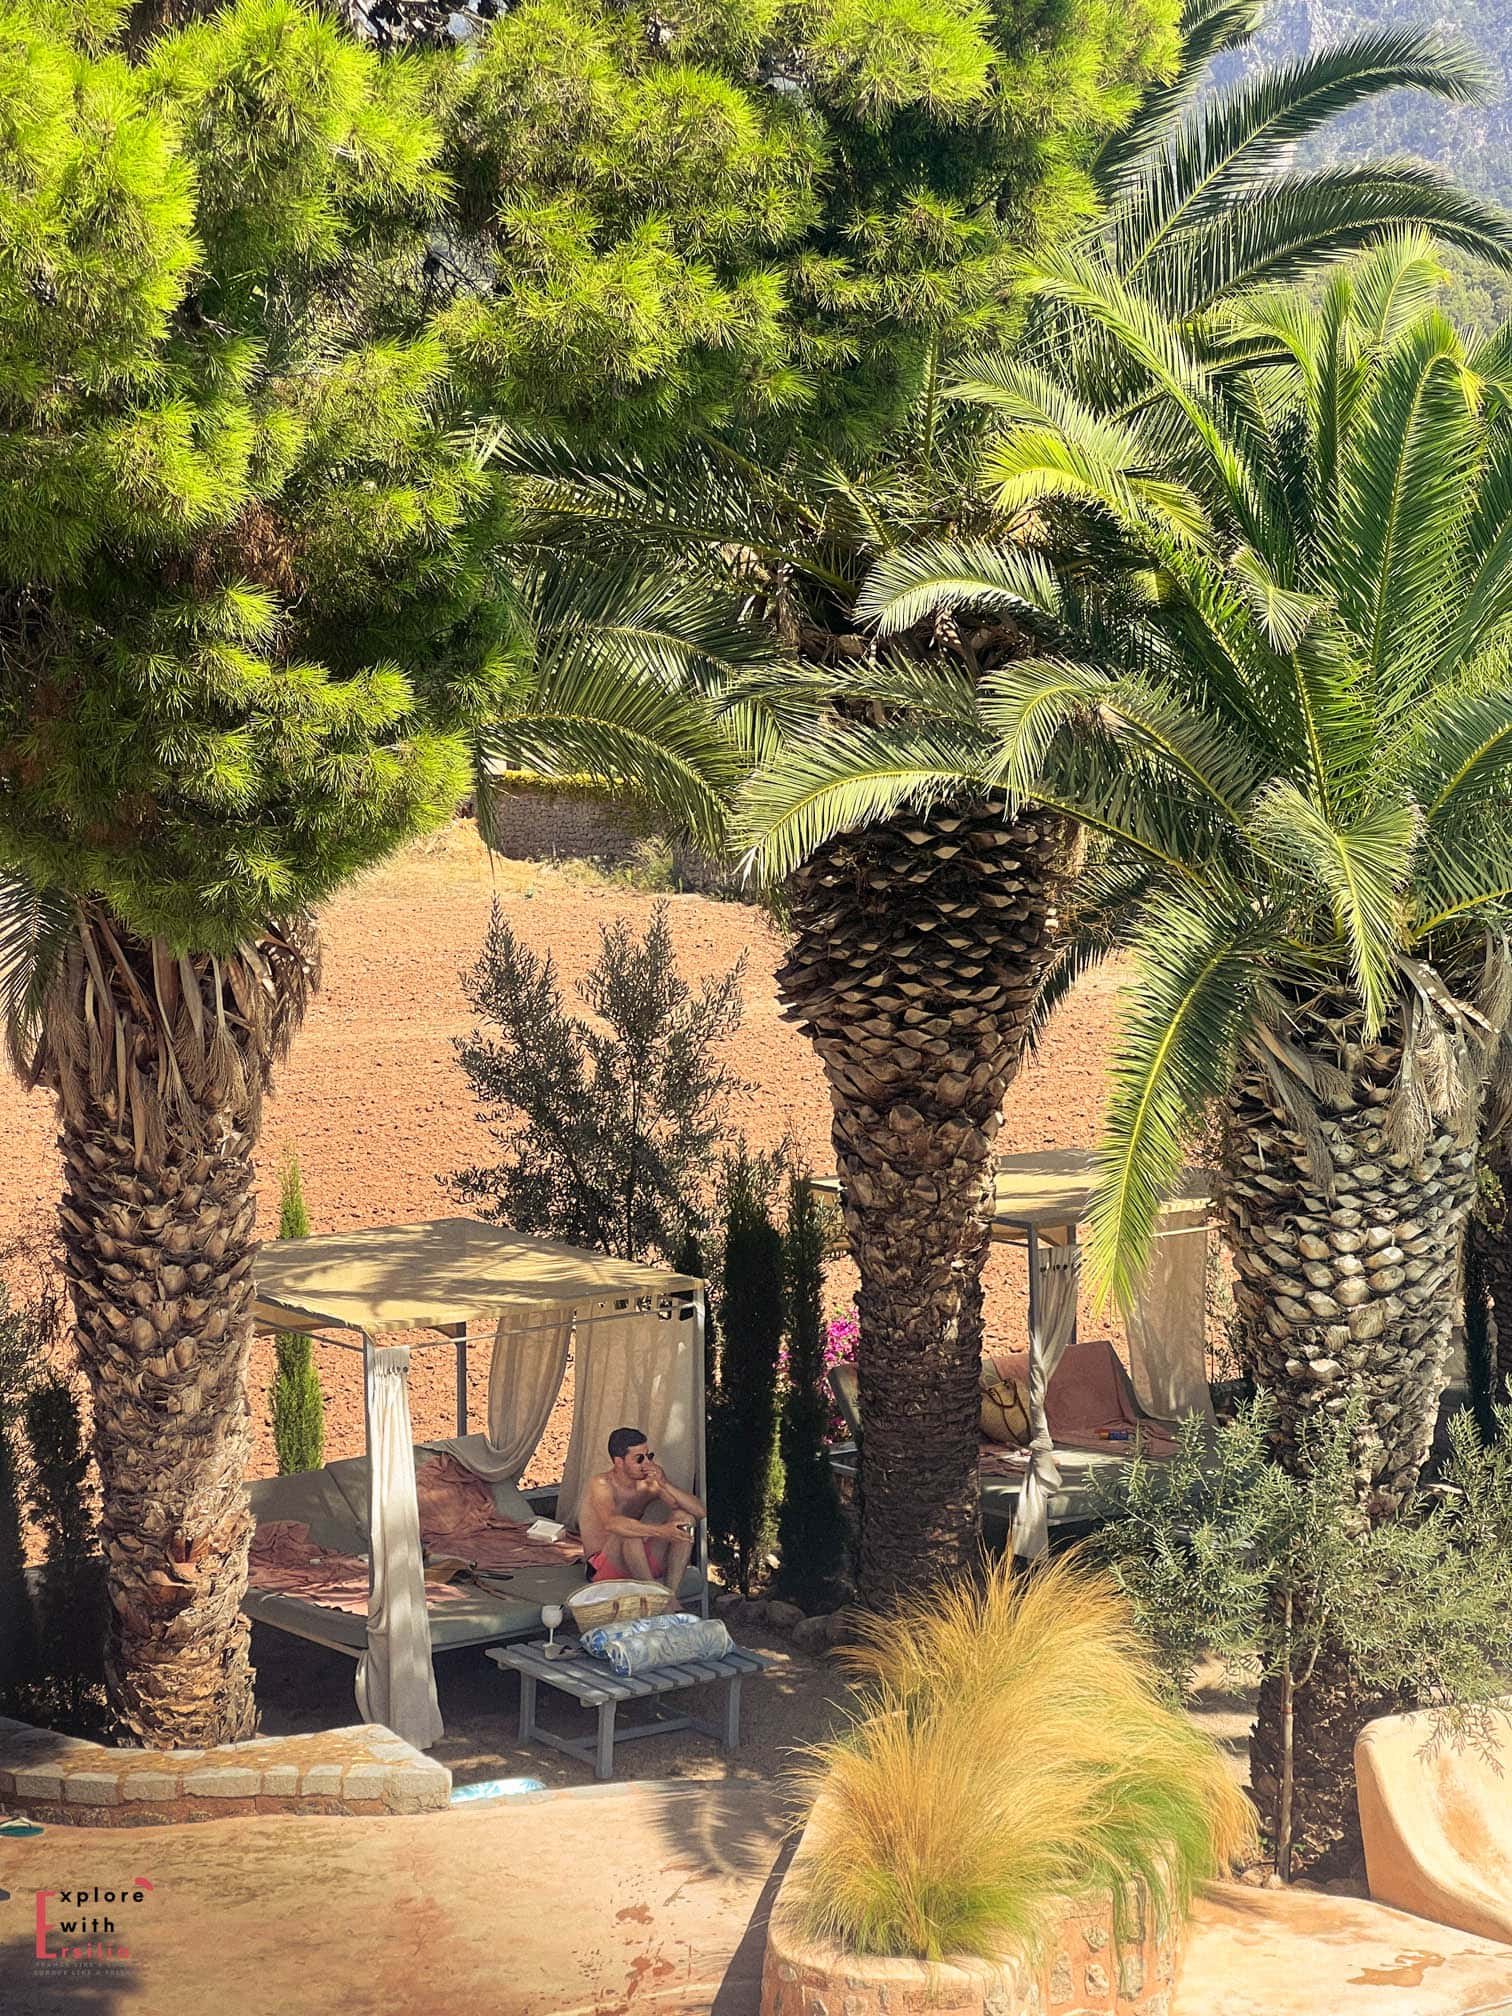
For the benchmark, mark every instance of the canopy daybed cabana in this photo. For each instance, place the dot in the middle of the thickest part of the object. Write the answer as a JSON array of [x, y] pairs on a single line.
[[1042, 1202], [639, 1335]]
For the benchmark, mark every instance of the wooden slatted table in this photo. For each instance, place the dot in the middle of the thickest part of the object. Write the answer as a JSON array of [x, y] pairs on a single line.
[[596, 1685]]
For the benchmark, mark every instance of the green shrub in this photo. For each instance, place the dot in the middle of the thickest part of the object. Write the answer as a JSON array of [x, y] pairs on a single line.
[[609, 1124], [1010, 1747], [298, 1403], [1223, 1552]]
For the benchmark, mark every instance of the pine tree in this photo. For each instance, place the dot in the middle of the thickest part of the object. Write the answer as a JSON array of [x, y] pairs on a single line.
[[812, 1540], [255, 579], [297, 1401]]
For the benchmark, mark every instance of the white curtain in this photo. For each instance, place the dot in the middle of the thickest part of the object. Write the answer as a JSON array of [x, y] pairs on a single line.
[[1057, 1273], [633, 1369], [1168, 1327], [524, 1379], [396, 1683]]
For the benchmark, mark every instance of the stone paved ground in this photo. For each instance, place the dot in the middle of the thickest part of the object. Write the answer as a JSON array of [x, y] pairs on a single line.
[[644, 1899]]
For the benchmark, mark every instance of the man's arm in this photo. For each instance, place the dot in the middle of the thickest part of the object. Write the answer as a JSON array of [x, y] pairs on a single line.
[[607, 1518], [681, 1501]]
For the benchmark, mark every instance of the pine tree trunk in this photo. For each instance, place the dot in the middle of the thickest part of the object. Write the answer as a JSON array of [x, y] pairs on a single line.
[[1338, 1296], [920, 943], [159, 1065]]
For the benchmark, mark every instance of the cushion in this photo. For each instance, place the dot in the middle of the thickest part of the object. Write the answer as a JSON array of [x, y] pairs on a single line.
[[1005, 1404], [351, 1475]]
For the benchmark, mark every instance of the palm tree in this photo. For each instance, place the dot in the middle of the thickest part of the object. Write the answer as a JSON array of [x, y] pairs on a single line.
[[1296, 733], [916, 998], [920, 1007]]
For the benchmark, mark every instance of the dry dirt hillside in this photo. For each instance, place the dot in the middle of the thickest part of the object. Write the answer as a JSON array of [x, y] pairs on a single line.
[[373, 1102]]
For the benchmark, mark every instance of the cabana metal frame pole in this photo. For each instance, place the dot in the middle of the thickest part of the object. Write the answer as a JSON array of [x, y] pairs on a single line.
[[701, 1488]]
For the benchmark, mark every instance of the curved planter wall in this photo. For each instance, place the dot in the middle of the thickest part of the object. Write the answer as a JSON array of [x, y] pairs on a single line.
[[1085, 1972]]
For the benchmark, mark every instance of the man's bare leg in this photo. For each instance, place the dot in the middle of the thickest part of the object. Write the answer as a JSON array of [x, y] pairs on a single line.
[[634, 1559], [679, 1553]]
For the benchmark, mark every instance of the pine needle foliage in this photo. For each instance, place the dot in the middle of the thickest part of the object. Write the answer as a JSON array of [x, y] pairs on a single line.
[[297, 1401], [608, 1121], [1010, 1748]]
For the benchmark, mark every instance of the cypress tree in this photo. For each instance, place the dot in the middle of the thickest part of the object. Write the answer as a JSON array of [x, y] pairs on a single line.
[[743, 1490], [297, 1401], [71, 1607], [18, 1631], [812, 1539]]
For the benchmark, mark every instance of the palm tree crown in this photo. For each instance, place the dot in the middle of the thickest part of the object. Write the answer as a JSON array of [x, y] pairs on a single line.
[[1295, 736]]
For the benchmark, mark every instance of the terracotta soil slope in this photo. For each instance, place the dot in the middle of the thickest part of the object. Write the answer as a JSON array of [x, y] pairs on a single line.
[[375, 1105]]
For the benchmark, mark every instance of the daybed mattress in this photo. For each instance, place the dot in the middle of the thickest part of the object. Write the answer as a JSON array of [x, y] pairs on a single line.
[[332, 1502], [1076, 1498]]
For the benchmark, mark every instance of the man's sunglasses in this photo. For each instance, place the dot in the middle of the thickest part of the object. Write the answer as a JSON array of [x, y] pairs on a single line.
[[644, 1456]]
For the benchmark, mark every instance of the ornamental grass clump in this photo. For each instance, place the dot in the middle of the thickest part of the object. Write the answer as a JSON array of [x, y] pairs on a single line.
[[1011, 1748]]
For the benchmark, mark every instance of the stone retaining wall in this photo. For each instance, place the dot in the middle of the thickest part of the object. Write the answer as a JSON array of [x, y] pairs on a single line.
[[365, 1769]]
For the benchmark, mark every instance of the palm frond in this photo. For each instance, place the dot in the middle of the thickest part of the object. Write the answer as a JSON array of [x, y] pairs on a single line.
[[1208, 28], [1110, 895], [1298, 222], [1486, 604], [629, 686], [1463, 752], [35, 927], [1194, 981], [914, 582], [846, 777], [1363, 869], [1401, 491], [1229, 145]]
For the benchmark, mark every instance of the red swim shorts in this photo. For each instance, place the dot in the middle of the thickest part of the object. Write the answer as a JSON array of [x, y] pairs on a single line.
[[604, 1569]]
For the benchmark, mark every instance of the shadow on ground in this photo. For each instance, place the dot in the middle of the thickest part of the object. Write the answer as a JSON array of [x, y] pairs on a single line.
[[33, 1987]]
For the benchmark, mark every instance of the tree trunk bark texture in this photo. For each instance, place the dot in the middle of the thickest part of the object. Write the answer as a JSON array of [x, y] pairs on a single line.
[[1342, 1294], [1349, 1294], [159, 1065], [920, 943]]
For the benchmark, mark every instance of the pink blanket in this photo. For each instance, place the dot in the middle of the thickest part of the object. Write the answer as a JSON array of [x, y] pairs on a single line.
[[458, 1516], [287, 1562], [1090, 1392]]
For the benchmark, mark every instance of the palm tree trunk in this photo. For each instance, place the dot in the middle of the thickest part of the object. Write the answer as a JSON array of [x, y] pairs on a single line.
[[1341, 1295], [1350, 1294], [919, 946], [159, 1065]]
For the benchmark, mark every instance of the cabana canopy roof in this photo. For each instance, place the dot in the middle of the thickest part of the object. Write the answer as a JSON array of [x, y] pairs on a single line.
[[440, 1272], [1052, 1191]]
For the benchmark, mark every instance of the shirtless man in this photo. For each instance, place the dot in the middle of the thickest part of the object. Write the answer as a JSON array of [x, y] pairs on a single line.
[[618, 1539]]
